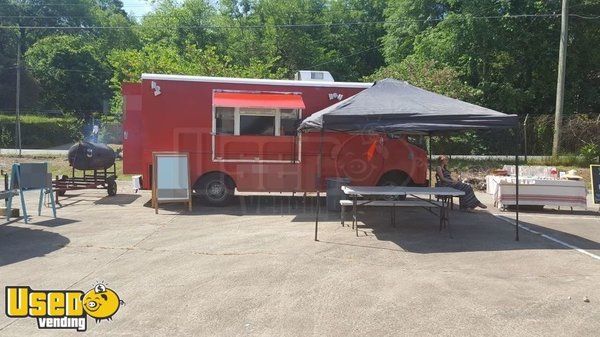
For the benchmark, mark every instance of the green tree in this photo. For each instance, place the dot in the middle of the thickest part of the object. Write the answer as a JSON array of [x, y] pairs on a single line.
[[27, 15], [71, 72], [160, 58], [430, 75], [511, 60], [178, 24]]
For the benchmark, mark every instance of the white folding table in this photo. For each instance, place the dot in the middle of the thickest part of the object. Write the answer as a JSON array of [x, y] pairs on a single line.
[[538, 192]]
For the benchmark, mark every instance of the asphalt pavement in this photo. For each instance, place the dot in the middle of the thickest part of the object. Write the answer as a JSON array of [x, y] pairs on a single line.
[[253, 269]]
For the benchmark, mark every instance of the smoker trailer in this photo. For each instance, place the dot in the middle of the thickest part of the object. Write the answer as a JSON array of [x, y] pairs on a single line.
[[96, 162]]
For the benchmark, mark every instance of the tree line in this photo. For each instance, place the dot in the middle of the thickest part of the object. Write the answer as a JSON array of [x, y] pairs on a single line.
[[499, 54]]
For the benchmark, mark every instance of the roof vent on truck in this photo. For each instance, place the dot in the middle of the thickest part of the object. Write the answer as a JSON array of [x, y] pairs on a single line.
[[313, 75]]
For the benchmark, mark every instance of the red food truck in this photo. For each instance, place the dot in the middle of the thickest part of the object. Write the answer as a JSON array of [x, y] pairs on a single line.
[[241, 134]]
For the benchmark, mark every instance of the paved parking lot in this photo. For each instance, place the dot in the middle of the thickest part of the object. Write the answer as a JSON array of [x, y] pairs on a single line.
[[254, 270]]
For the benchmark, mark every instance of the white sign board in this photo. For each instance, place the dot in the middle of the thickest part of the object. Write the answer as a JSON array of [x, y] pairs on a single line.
[[171, 178]]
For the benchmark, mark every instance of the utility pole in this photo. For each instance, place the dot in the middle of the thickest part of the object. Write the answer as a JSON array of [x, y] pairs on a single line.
[[560, 85], [18, 98]]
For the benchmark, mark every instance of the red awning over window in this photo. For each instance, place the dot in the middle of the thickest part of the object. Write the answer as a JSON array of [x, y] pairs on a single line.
[[258, 100]]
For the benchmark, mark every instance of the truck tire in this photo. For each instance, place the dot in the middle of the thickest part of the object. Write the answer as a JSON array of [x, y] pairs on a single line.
[[395, 179], [215, 189]]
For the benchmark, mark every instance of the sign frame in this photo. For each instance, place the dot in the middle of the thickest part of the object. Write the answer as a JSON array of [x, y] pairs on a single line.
[[155, 199], [29, 177], [595, 184]]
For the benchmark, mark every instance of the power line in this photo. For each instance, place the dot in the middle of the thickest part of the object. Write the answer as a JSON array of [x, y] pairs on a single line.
[[73, 5], [55, 17], [584, 17], [138, 16], [97, 71], [302, 25]]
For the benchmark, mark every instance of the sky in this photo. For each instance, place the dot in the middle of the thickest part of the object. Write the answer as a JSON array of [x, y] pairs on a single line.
[[137, 8]]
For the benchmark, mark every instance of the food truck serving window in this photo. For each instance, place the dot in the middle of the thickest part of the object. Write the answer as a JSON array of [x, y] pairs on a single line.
[[288, 122], [224, 119], [261, 114], [257, 122]]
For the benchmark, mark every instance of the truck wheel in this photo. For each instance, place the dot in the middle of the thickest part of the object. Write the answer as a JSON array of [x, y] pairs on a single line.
[[395, 179], [111, 187], [215, 189]]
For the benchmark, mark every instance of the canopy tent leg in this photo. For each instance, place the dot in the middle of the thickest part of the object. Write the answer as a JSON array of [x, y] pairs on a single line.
[[518, 146], [429, 152], [319, 165], [525, 139]]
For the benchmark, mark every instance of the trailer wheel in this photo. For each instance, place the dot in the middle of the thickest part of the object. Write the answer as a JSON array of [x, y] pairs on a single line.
[[215, 189], [62, 192], [111, 186]]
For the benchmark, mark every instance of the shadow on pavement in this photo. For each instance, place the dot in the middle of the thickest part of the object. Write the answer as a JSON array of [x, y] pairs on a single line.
[[70, 198], [302, 208], [417, 231], [53, 222], [553, 211], [119, 199], [19, 244]]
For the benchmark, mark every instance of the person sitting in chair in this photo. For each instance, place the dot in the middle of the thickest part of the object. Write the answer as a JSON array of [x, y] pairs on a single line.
[[468, 201]]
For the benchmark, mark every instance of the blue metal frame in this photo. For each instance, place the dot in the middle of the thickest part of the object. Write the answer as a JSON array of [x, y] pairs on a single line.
[[15, 179]]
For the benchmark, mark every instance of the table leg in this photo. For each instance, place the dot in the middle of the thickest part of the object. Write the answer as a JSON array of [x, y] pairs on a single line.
[[447, 218], [52, 202], [441, 210], [354, 217], [23, 205], [304, 202], [353, 211]]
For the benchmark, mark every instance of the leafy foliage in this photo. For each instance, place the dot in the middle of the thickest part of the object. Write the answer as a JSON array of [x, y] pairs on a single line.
[[499, 54], [160, 58], [512, 61], [70, 71], [430, 75]]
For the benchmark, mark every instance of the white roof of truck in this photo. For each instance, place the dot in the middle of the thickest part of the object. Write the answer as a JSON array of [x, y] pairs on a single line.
[[255, 81]]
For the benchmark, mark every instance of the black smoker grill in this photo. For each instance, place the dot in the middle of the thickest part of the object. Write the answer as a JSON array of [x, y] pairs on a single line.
[[97, 164]]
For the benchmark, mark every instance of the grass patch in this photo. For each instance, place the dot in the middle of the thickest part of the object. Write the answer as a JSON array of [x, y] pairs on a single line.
[[11, 118], [39, 131]]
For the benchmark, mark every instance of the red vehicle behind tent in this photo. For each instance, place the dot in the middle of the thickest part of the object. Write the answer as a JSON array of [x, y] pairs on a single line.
[[241, 133]]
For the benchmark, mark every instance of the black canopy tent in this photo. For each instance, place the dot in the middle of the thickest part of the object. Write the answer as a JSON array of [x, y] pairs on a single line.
[[396, 107]]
